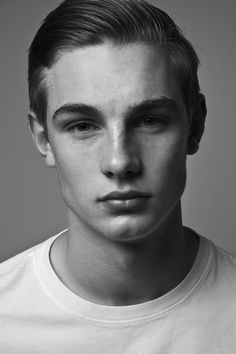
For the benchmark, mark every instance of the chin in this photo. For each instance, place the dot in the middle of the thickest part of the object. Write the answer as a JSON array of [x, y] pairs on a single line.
[[125, 229]]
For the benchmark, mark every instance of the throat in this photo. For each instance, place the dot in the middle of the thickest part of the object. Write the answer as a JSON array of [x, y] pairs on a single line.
[[125, 274]]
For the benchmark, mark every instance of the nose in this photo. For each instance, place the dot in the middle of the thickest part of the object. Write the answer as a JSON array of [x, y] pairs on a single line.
[[121, 158]]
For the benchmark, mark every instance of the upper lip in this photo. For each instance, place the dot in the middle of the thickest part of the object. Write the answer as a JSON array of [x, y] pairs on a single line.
[[124, 195]]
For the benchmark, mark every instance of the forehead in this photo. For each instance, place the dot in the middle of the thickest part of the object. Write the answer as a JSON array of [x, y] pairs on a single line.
[[111, 78]]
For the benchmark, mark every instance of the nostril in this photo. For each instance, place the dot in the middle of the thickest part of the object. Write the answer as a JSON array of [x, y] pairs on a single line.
[[121, 160], [131, 172]]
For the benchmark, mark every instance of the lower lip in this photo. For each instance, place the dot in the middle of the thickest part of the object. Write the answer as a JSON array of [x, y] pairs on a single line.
[[126, 205]]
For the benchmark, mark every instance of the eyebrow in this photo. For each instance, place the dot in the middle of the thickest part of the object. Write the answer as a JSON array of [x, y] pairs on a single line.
[[75, 108], [81, 108], [163, 102]]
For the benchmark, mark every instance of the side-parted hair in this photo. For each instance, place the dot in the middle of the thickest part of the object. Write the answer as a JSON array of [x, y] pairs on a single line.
[[80, 23]]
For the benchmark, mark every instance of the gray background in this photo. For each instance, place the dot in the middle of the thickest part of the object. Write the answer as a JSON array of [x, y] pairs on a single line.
[[30, 205]]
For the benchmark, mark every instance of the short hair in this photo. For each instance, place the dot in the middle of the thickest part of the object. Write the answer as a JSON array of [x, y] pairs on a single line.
[[80, 23]]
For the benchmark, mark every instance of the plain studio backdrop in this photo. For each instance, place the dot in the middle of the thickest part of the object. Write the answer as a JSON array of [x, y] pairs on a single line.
[[31, 208]]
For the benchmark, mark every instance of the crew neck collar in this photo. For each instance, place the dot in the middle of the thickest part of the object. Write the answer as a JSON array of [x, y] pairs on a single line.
[[114, 315]]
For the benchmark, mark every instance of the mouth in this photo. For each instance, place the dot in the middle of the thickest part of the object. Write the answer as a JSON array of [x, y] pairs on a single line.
[[125, 201]]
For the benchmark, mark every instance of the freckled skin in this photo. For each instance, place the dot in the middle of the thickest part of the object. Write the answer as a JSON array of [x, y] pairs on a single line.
[[118, 153]]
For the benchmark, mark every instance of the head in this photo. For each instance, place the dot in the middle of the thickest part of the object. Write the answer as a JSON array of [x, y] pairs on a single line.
[[115, 107]]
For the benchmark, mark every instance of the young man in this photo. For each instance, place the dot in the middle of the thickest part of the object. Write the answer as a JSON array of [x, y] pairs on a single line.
[[115, 106]]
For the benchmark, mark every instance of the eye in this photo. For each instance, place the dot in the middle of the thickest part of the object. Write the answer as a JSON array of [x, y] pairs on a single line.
[[82, 127], [149, 121]]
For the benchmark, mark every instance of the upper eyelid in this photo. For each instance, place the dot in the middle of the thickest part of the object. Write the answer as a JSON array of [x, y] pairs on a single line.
[[70, 117], [80, 122], [76, 120], [161, 117], [72, 126], [129, 123], [152, 115]]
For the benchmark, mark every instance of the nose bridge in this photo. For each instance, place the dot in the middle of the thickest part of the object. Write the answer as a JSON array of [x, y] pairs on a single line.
[[118, 150], [118, 138], [120, 155]]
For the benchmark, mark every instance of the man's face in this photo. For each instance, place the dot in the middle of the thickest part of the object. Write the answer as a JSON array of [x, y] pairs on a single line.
[[117, 123]]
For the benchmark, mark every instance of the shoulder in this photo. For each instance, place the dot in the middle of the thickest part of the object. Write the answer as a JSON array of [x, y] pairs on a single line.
[[216, 258], [17, 278], [215, 269], [20, 284], [20, 267], [220, 274], [19, 260], [224, 260], [225, 264]]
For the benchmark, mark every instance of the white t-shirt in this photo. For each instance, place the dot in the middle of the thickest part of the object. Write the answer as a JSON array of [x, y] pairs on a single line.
[[39, 314]]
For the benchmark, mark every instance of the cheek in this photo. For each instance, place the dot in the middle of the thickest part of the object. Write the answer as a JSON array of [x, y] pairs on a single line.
[[175, 163], [76, 169], [166, 153], [69, 163], [167, 167]]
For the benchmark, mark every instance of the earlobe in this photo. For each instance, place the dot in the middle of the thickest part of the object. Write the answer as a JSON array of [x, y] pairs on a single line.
[[193, 145], [39, 135], [197, 124]]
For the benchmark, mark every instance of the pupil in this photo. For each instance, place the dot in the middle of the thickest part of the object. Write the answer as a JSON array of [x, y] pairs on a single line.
[[149, 120], [83, 126]]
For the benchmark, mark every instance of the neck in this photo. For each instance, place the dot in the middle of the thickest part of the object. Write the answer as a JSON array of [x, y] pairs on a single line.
[[115, 273]]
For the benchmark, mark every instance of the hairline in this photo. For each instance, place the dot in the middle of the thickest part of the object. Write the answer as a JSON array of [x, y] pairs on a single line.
[[44, 82]]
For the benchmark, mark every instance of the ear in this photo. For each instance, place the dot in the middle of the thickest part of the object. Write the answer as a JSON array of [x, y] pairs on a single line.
[[40, 138], [197, 123]]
